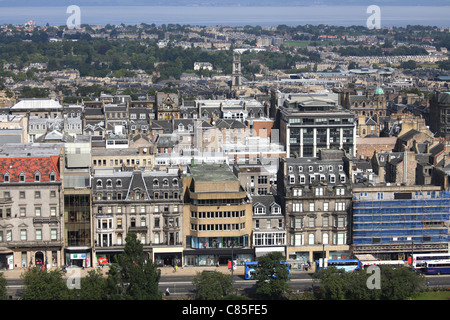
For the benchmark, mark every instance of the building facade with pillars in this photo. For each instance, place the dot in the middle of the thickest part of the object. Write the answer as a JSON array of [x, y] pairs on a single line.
[[309, 124], [316, 197], [217, 217], [146, 203], [31, 202]]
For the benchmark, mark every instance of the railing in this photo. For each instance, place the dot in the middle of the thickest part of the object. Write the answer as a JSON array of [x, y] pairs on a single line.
[[45, 220]]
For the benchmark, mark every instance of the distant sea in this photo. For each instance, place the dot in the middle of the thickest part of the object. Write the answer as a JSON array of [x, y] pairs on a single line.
[[231, 16]]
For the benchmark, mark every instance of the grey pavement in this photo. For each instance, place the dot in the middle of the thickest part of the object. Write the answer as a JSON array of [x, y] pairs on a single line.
[[165, 271]]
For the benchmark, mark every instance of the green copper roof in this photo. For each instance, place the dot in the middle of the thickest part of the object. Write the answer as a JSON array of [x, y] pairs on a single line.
[[379, 91]]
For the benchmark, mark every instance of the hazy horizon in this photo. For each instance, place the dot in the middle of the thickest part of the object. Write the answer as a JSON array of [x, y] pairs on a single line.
[[221, 3]]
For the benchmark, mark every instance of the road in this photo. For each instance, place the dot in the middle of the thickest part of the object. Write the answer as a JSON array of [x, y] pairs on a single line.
[[181, 285]]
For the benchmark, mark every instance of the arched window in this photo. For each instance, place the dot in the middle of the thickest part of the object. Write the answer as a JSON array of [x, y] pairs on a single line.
[[109, 183], [99, 183], [155, 182], [118, 183], [165, 182], [325, 238], [175, 182]]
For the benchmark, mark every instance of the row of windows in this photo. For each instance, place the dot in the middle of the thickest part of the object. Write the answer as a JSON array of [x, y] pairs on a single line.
[[37, 176], [217, 214], [298, 206], [6, 212], [107, 223], [109, 183], [218, 227], [136, 209], [269, 239], [298, 239], [318, 191], [22, 194], [321, 168], [318, 177], [259, 224], [137, 196], [7, 235], [262, 210], [299, 222], [119, 162]]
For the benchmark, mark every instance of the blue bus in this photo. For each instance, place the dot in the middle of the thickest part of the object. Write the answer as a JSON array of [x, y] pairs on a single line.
[[348, 265], [437, 267], [250, 269]]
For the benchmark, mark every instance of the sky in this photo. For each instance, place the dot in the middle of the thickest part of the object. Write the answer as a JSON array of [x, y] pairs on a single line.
[[65, 3]]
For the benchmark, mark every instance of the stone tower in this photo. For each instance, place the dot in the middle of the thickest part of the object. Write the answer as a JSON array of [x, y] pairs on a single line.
[[236, 75]]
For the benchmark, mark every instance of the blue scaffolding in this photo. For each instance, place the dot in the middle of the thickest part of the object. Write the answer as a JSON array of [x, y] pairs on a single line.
[[423, 219]]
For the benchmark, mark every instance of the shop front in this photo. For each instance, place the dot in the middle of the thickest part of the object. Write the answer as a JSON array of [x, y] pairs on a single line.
[[214, 257], [6, 261], [106, 256], [78, 257], [165, 257]]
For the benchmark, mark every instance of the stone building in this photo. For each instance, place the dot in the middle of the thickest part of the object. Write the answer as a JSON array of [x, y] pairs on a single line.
[[146, 203], [316, 197], [217, 217], [31, 226]]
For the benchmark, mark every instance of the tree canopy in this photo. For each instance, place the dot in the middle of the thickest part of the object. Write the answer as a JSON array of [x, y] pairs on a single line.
[[271, 277], [395, 284], [212, 285]]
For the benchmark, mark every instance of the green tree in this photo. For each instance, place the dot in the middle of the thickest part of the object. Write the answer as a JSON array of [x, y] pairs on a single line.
[[395, 284], [271, 277], [410, 64], [212, 285], [133, 276], [332, 283], [93, 286], [399, 283], [3, 293], [42, 285]]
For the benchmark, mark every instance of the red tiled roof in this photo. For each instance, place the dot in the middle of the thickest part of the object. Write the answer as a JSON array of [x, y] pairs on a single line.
[[29, 166]]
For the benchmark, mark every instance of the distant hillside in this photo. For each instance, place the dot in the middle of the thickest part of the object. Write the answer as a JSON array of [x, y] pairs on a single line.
[[57, 3]]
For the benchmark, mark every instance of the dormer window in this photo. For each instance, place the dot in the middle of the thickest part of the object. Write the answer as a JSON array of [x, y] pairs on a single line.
[[155, 182], [37, 176], [99, 184], [260, 210], [22, 177], [332, 178], [175, 182], [109, 183], [6, 177], [118, 183], [276, 209], [52, 176], [165, 183]]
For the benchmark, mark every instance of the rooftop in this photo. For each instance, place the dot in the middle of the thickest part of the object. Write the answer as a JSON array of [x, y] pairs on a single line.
[[211, 172]]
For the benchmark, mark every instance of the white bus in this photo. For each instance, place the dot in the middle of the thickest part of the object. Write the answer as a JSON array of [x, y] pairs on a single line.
[[419, 260], [366, 264]]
